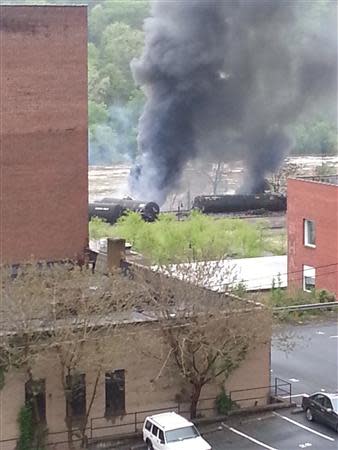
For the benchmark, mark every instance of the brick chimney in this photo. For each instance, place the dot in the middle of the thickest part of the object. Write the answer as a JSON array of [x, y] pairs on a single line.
[[116, 253]]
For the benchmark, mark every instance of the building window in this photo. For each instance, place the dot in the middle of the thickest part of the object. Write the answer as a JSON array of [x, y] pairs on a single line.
[[309, 233], [35, 397], [76, 398], [309, 278], [115, 393]]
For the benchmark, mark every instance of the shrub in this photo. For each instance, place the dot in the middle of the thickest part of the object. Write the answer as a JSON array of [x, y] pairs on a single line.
[[224, 404], [197, 238], [26, 428], [324, 296]]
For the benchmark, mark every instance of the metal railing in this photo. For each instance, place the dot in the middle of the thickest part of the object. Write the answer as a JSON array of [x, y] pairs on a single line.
[[253, 397], [283, 389], [306, 307], [106, 427], [124, 423]]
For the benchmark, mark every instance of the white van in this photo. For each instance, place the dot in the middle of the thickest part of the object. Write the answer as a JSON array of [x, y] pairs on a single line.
[[170, 431]]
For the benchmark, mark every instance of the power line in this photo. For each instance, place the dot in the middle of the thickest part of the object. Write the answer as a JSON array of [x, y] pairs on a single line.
[[286, 274], [301, 279], [289, 273]]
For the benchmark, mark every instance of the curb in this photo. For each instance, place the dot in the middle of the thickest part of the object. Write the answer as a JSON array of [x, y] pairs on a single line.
[[244, 412], [297, 410], [266, 408]]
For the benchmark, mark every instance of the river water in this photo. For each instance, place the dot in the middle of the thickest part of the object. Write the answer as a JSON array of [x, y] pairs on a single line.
[[112, 181]]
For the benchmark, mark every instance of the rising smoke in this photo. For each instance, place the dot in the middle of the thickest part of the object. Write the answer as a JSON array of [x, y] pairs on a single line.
[[226, 79]]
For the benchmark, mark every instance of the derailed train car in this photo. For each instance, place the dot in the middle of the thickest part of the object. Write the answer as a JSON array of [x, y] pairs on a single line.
[[111, 209], [240, 202]]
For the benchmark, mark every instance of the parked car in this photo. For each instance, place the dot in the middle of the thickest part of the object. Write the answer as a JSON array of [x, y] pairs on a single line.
[[322, 407], [170, 431]]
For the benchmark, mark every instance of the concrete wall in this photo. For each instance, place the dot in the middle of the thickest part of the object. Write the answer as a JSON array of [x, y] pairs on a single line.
[[149, 384], [43, 133], [318, 202]]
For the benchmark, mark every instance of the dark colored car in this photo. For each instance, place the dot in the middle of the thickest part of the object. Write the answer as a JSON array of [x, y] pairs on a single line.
[[322, 407]]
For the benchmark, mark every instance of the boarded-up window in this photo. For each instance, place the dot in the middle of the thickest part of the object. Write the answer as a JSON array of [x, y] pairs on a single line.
[[76, 395], [115, 392], [35, 397]]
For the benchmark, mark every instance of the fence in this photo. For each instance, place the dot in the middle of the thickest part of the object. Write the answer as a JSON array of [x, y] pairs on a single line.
[[128, 423], [246, 398], [102, 427]]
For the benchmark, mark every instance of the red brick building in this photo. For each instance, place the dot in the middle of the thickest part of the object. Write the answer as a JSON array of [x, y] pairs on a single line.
[[312, 216], [43, 133]]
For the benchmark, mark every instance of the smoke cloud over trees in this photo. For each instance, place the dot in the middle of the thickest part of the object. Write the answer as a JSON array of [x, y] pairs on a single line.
[[228, 79]]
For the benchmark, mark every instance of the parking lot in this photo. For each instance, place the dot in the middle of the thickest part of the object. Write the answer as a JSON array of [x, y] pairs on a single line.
[[311, 366], [280, 430], [274, 431]]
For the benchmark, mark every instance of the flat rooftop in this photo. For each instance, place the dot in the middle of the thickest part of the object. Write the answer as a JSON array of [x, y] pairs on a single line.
[[255, 274]]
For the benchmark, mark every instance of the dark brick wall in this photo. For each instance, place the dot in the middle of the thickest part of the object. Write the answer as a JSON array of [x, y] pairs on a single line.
[[43, 133], [318, 202]]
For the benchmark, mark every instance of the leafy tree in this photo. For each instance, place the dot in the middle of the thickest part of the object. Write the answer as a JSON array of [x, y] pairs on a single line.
[[120, 44], [317, 137], [98, 113], [130, 12], [115, 103], [208, 334]]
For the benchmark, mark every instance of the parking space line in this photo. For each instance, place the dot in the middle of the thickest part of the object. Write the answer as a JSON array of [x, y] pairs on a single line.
[[304, 427], [248, 437]]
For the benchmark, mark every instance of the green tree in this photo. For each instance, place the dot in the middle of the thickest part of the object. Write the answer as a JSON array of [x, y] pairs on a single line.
[[316, 137], [98, 113], [130, 12], [120, 44], [115, 103]]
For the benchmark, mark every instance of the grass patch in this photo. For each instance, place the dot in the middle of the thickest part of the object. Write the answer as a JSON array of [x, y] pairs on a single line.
[[275, 242]]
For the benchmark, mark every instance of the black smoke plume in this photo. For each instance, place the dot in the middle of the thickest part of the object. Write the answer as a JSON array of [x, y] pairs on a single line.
[[226, 79]]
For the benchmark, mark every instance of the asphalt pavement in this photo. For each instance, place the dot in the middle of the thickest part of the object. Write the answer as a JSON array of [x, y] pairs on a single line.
[[280, 430], [312, 366], [274, 431]]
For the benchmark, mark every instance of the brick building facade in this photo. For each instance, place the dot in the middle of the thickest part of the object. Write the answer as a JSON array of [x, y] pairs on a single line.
[[43, 133], [312, 218]]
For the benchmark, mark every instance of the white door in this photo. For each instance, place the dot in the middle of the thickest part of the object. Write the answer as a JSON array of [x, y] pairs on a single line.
[[155, 438]]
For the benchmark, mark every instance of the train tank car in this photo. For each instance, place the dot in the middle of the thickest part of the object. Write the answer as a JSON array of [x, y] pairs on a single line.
[[240, 203], [111, 209]]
